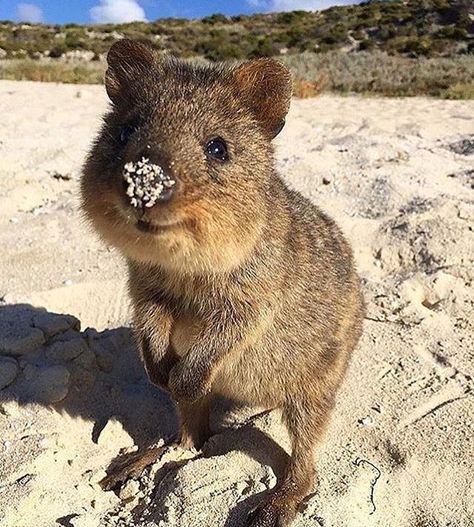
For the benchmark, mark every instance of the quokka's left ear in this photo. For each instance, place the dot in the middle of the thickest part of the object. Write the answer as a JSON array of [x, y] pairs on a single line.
[[127, 60], [265, 85]]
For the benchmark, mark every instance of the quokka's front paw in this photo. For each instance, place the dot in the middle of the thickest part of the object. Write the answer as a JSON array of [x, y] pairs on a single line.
[[158, 370], [186, 384]]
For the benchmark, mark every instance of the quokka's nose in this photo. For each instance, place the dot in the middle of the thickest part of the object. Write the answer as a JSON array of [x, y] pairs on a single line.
[[147, 184]]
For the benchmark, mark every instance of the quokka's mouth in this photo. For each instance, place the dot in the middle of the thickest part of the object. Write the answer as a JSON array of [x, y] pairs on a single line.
[[155, 228]]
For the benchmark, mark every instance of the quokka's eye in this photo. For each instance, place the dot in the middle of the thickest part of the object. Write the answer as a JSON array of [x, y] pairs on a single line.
[[125, 133], [217, 149]]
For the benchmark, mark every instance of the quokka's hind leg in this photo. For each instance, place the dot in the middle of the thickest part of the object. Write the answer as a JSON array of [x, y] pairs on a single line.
[[306, 421], [194, 423], [193, 432]]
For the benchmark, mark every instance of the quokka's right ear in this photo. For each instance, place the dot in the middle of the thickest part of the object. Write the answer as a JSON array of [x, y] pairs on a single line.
[[127, 61], [265, 87]]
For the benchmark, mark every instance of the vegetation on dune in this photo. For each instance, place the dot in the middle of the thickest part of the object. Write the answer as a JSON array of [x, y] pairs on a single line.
[[409, 27], [379, 73], [368, 73], [74, 72], [402, 47]]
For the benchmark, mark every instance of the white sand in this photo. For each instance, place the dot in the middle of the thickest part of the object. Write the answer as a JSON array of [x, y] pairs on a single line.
[[404, 419]]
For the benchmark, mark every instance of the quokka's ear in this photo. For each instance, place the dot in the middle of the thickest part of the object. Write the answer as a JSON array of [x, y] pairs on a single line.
[[127, 61], [265, 85]]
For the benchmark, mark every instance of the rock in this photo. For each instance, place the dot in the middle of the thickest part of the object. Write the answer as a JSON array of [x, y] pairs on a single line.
[[91, 335], [24, 480], [70, 334], [67, 350], [116, 340], [8, 371], [47, 384], [95, 477], [466, 211], [113, 434], [82, 377], [18, 339], [52, 324], [104, 358], [130, 490], [110, 342], [464, 147], [84, 520], [86, 359]]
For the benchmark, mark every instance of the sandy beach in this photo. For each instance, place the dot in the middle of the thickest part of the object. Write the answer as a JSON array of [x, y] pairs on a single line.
[[396, 174]]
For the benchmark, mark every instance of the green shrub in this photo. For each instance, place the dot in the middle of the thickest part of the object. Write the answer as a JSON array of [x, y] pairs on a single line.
[[366, 45], [215, 19], [290, 17], [264, 48], [452, 33], [57, 51], [417, 46], [218, 49], [75, 40], [358, 35], [294, 36]]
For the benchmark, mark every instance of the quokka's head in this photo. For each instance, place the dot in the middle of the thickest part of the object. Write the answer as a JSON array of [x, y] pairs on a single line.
[[180, 172]]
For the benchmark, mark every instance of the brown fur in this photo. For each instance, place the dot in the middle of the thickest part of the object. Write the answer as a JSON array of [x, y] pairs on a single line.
[[245, 289]]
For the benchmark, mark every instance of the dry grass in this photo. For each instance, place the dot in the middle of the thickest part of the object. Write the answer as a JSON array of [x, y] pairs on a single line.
[[52, 71], [460, 91], [304, 88], [369, 73], [381, 74]]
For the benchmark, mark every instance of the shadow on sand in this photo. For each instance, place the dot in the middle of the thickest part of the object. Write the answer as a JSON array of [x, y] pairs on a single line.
[[104, 376], [105, 379]]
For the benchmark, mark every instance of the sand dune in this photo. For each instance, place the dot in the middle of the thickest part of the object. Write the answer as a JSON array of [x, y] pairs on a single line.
[[397, 174]]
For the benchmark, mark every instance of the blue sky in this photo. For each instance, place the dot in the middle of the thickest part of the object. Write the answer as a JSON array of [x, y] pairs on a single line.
[[87, 11]]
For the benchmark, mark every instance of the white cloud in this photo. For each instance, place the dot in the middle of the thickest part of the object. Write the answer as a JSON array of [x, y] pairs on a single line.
[[29, 13], [295, 5], [117, 12]]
